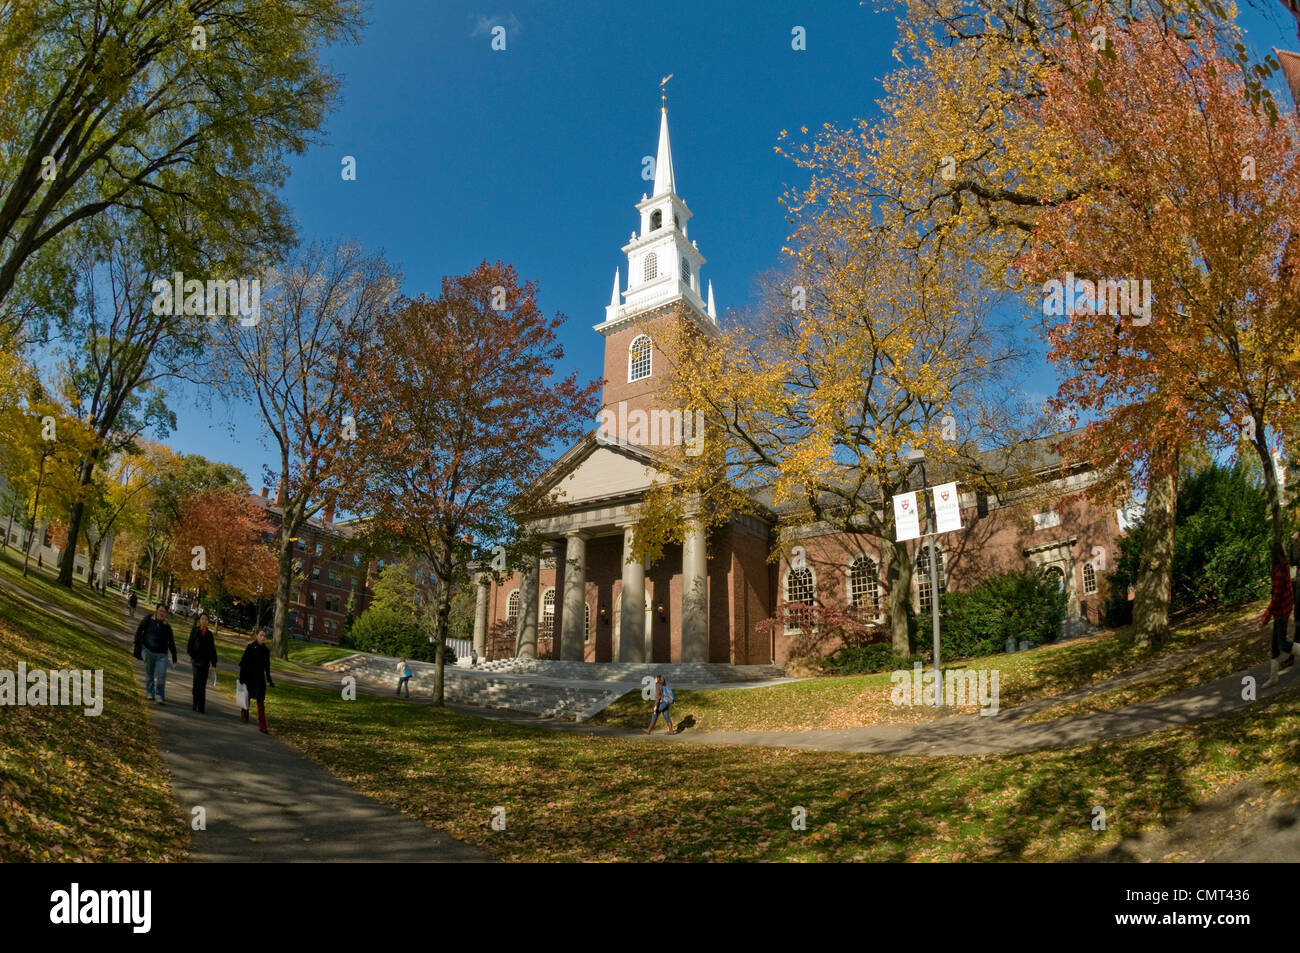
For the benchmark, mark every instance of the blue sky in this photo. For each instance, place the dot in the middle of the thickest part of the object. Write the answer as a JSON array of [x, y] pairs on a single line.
[[533, 155]]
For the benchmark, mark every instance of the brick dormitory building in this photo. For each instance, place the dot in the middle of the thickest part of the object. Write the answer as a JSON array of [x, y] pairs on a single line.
[[703, 601]]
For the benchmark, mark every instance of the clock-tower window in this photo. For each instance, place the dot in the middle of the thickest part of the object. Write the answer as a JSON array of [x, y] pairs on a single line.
[[638, 358], [651, 267], [656, 220]]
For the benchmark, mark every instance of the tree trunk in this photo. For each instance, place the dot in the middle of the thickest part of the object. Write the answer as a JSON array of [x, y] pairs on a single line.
[[440, 639], [1274, 489], [898, 577], [283, 584], [1156, 568]]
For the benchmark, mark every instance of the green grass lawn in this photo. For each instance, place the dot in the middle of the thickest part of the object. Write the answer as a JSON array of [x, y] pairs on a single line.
[[858, 700], [106, 610], [72, 786], [573, 797]]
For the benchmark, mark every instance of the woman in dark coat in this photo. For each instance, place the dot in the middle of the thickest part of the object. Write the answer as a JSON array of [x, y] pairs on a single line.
[[202, 650], [255, 673]]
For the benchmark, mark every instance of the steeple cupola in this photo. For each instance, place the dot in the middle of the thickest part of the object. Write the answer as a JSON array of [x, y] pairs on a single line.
[[663, 264]]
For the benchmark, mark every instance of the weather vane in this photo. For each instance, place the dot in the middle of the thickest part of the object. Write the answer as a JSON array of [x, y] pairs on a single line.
[[663, 92]]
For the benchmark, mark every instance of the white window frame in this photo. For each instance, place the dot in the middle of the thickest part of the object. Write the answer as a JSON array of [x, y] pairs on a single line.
[[922, 578], [518, 600], [873, 585], [650, 267], [785, 591], [545, 624], [1089, 579], [632, 350]]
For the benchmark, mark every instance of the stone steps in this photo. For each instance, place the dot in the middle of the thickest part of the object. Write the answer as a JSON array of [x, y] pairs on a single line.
[[463, 688]]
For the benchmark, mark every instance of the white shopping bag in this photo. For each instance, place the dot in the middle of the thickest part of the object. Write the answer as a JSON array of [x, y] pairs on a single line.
[[213, 679], [241, 694]]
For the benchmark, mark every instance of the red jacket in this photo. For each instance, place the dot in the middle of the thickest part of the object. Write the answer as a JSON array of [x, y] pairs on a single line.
[[1283, 600]]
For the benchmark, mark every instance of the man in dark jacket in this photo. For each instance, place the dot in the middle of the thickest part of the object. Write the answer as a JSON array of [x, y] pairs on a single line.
[[255, 673], [202, 650], [153, 643]]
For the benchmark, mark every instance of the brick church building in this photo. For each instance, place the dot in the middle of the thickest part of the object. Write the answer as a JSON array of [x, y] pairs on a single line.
[[703, 600]]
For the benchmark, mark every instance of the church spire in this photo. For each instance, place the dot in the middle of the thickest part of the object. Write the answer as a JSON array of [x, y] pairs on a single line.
[[613, 300], [713, 312], [664, 181]]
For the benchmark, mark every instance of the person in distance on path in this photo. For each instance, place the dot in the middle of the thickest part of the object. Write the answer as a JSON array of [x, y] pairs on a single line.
[[153, 642], [1279, 610], [403, 677], [202, 650], [663, 701], [255, 673]]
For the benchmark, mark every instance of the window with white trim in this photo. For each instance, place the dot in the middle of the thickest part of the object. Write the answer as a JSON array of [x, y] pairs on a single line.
[[586, 622], [547, 627], [651, 268], [512, 610], [1089, 579], [923, 576], [799, 591], [638, 358], [686, 271], [864, 587]]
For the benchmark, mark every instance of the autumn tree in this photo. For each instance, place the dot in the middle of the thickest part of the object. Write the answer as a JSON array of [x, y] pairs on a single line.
[[955, 166], [861, 356], [1196, 215], [455, 413], [318, 319], [221, 546], [178, 112]]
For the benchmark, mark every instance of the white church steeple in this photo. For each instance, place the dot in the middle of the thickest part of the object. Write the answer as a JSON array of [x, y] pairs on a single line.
[[663, 265]]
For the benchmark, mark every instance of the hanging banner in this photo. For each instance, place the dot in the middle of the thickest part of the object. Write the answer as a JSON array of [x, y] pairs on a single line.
[[905, 521], [947, 508]]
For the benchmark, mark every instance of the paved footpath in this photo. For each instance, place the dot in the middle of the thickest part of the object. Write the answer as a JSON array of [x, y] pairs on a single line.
[[263, 801]]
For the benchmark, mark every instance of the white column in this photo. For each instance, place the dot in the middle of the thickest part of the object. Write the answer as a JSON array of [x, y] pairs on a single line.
[[484, 585], [574, 617], [631, 636], [526, 637], [695, 594]]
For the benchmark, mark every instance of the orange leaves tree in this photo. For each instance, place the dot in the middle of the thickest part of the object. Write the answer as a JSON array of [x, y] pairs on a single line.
[[1197, 191], [221, 546], [456, 411]]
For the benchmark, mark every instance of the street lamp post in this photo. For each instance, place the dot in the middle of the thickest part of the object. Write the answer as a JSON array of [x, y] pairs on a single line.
[[918, 457]]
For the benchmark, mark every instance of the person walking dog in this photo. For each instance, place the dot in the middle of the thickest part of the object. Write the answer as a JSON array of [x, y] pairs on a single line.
[[153, 642], [202, 650], [663, 701], [255, 674]]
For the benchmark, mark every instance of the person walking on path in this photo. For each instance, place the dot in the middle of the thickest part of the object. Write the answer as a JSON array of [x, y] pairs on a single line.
[[154, 641], [403, 677], [132, 602], [1279, 610], [202, 650], [662, 702], [255, 673]]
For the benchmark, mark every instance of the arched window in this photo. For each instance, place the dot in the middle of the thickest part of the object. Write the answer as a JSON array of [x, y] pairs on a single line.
[[638, 358], [546, 628], [686, 271], [923, 575], [651, 267], [512, 611], [1089, 579], [656, 220], [864, 587], [799, 591], [1057, 575]]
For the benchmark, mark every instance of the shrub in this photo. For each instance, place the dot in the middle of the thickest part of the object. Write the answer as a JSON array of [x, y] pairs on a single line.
[[864, 659], [1019, 605], [389, 632], [1221, 543]]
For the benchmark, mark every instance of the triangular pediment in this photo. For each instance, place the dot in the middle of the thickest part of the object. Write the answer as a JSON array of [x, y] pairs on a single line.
[[598, 470]]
